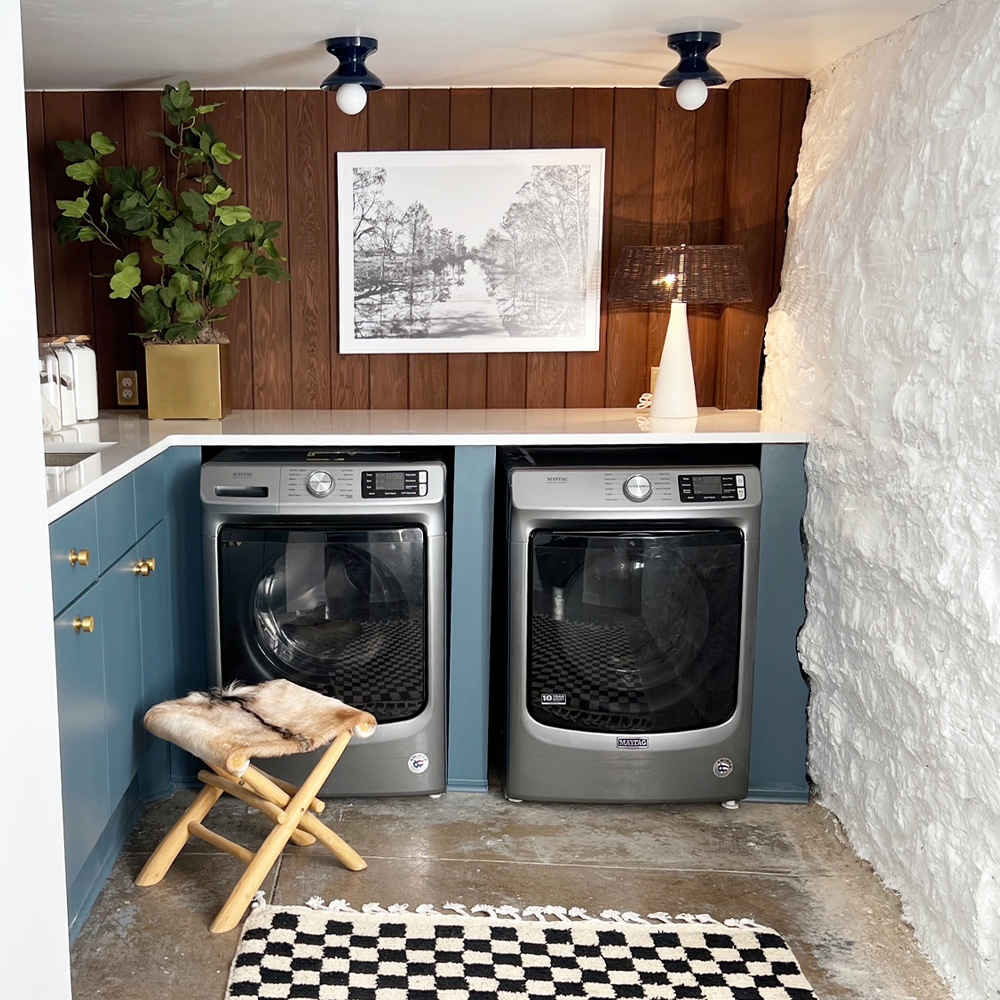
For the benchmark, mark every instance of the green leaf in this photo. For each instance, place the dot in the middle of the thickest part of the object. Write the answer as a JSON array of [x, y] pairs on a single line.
[[197, 207], [182, 331], [129, 260], [152, 311], [101, 144], [66, 228], [268, 268], [87, 234], [223, 293], [188, 311], [221, 154], [105, 203], [219, 195], [178, 241], [125, 278], [165, 138], [229, 215], [179, 97], [272, 251], [76, 151], [180, 285], [88, 172], [207, 109], [75, 209]]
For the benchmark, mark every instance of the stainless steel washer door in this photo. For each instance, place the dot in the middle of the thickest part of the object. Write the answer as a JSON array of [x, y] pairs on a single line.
[[338, 610]]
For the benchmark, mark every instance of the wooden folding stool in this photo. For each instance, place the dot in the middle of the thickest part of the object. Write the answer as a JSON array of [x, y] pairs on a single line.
[[228, 727]]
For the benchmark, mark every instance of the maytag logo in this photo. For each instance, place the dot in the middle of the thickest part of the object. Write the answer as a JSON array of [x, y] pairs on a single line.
[[557, 479], [242, 475], [553, 699], [633, 743]]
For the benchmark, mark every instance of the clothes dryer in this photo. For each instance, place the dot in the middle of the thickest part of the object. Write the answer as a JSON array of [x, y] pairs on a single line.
[[631, 610]]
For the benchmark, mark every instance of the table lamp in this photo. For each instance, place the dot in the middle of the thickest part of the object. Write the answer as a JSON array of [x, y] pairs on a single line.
[[678, 275]]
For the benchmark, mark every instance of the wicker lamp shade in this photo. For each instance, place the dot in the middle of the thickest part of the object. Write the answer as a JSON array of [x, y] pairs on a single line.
[[685, 273]]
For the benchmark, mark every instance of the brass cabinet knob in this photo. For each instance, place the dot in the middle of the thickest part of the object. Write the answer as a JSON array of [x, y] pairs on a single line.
[[144, 567], [81, 558], [84, 624]]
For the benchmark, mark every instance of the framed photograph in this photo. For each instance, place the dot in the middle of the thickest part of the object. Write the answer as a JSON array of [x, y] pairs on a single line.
[[470, 251]]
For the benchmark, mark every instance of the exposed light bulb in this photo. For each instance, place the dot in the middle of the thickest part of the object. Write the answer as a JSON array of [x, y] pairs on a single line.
[[351, 98], [692, 94]]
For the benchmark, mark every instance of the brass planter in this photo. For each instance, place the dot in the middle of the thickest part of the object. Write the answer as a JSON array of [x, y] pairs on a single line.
[[187, 381]]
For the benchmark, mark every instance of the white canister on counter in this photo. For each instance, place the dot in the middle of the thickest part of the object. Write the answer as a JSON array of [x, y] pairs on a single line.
[[84, 377], [67, 384], [48, 366]]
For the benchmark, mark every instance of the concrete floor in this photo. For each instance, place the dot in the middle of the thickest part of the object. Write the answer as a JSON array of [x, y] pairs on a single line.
[[785, 866]]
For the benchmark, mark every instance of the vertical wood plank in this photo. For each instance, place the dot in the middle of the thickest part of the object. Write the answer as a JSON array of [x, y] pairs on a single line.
[[751, 190], [388, 128], [510, 128], [551, 127], [593, 128], [631, 204], [104, 111], [143, 114], [794, 99], [430, 128], [267, 183], [469, 129], [349, 373], [71, 281], [229, 122], [673, 200], [42, 236], [308, 249], [707, 226]]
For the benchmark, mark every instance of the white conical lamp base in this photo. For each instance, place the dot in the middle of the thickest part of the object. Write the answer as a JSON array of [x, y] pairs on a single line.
[[674, 395]]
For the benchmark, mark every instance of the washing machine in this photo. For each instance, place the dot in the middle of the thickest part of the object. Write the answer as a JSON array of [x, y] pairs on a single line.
[[632, 596], [327, 568]]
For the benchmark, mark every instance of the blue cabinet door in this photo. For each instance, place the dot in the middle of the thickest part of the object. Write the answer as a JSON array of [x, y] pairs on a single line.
[[82, 727], [157, 621], [123, 673]]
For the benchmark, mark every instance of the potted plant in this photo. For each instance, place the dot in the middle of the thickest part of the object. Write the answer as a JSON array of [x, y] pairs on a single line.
[[201, 248]]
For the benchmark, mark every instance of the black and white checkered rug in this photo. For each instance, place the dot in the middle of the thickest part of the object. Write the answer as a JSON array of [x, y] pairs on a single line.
[[340, 954]]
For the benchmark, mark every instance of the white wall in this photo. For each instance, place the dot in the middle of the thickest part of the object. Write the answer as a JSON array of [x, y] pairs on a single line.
[[886, 340], [34, 951]]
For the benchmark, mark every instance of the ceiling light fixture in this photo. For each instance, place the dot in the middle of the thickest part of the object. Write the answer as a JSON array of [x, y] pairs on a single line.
[[693, 75], [352, 79]]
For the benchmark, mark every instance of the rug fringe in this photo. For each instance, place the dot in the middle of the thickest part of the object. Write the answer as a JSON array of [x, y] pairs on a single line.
[[544, 914]]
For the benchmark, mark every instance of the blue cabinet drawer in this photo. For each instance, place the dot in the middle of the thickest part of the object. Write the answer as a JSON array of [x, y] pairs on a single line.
[[115, 521], [73, 551], [150, 495]]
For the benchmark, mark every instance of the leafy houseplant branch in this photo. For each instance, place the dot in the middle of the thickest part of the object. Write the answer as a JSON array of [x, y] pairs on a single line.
[[203, 246]]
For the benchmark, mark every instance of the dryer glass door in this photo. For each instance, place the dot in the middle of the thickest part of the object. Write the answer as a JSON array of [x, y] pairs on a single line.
[[634, 631], [338, 610]]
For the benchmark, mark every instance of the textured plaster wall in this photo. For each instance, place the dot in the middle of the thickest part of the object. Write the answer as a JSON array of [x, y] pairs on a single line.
[[886, 341]]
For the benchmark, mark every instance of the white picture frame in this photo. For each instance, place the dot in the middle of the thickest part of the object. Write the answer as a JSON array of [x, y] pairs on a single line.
[[470, 251]]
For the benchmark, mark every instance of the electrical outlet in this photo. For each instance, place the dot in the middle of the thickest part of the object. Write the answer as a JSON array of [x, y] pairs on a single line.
[[128, 388]]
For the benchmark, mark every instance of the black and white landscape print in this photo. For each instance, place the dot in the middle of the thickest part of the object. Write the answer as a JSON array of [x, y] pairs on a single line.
[[487, 250]]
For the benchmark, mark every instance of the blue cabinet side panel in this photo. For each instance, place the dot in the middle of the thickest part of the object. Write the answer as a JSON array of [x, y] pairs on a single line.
[[150, 496], [778, 747], [115, 521], [469, 659], [182, 469]]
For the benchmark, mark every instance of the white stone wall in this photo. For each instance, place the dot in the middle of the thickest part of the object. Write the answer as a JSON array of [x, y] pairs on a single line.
[[886, 341]]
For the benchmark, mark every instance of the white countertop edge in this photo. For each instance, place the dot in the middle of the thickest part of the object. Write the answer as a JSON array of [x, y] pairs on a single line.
[[142, 440]]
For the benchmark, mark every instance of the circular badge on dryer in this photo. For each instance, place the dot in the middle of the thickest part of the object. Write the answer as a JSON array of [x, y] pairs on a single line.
[[723, 767], [418, 763]]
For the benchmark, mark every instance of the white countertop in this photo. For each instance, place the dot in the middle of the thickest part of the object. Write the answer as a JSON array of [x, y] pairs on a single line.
[[122, 441]]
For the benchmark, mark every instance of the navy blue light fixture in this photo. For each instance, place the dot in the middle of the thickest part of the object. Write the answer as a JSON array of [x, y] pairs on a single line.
[[352, 79], [693, 75]]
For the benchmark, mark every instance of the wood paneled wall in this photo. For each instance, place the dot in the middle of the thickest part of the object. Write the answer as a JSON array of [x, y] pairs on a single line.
[[723, 173]]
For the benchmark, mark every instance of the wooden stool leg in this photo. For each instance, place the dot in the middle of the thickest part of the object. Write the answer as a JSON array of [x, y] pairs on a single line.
[[167, 850], [234, 907]]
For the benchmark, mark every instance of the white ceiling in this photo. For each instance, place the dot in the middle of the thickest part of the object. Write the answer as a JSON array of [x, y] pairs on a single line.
[[110, 44]]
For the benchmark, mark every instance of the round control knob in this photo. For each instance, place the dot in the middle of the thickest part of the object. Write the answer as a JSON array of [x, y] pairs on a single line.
[[637, 488], [319, 484]]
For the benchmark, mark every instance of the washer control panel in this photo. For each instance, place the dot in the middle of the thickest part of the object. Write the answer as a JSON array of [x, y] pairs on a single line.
[[385, 484], [711, 487]]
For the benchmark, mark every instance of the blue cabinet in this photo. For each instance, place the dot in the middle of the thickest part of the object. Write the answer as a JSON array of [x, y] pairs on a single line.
[[114, 659]]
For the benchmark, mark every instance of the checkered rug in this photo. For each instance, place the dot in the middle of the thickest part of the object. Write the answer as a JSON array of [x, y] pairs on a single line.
[[341, 954]]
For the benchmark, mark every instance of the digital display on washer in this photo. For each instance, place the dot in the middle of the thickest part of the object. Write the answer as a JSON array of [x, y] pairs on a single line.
[[389, 481], [706, 485]]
